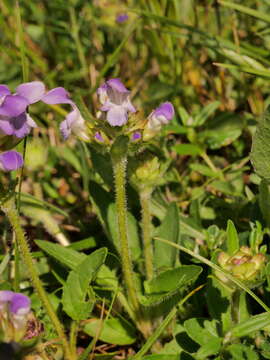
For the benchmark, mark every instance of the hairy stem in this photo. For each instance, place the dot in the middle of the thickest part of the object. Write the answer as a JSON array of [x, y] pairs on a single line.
[[119, 169], [235, 303], [11, 212], [146, 232]]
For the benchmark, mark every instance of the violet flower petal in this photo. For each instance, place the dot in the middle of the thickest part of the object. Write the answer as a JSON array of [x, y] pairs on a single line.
[[117, 116], [74, 123], [10, 160], [5, 126], [13, 105], [166, 109], [4, 90], [32, 91], [57, 96], [161, 116], [117, 85], [20, 304], [6, 295]]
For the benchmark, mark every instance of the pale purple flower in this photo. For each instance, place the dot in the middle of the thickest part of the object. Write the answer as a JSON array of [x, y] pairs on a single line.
[[114, 98], [74, 122], [14, 310], [10, 160], [15, 303], [122, 18], [14, 119], [160, 116]]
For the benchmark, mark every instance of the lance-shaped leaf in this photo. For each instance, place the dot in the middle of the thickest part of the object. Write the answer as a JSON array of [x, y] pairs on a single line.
[[168, 283], [77, 287], [165, 254]]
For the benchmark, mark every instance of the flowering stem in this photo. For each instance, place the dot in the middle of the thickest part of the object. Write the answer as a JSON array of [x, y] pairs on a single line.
[[119, 169], [145, 196], [12, 214], [235, 306]]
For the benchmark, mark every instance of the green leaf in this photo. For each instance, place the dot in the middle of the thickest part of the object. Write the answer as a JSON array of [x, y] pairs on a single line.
[[134, 240], [240, 351], [168, 283], [203, 169], [187, 149], [202, 331], [67, 256], [113, 331], [247, 69], [232, 238], [264, 200], [102, 165], [185, 117], [250, 326], [207, 111], [222, 130], [77, 286], [246, 10], [165, 255], [69, 156], [260, 151], [210, 348]]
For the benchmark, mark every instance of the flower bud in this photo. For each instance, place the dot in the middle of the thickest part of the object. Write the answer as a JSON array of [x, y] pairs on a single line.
[[243, 265]]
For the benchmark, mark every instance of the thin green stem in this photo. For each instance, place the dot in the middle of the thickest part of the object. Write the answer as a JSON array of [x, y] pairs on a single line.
[[73, 337], [12, 214], [145, 196], [119, 169], [235, 303]]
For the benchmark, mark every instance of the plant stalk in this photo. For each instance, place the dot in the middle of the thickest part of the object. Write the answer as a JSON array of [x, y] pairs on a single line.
[[11, 212], [145, 196], [119, 169]]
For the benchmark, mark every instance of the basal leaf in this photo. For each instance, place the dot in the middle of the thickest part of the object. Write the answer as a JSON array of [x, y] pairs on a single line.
[[69, 257], [113, 331], [201, 330], [134, 241], [165, 255], [77, 286], [168, 283]]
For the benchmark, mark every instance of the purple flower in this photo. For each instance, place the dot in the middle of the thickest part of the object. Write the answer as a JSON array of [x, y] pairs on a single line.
[[15, 303], [114, 98], [74, 122], [136, 136], [14, 310], [121, 18], [99, 137], [14, 120], [10, 160], [160, 116]]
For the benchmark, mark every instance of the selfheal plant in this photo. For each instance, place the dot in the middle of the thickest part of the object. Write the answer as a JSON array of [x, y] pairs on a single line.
[[14, 310]]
